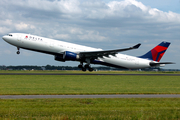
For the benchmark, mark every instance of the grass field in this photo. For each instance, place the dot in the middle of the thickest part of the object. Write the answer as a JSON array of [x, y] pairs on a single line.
[[80, 109], [79, 71], [84, 84]]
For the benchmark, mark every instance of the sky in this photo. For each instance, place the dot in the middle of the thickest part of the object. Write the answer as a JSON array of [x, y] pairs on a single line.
[[106, 24]]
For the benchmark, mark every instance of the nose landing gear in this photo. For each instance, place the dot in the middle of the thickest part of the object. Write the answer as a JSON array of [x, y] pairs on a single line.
[[18, 52]]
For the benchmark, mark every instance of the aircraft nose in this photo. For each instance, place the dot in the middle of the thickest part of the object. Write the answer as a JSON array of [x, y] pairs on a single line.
[[4, 37]]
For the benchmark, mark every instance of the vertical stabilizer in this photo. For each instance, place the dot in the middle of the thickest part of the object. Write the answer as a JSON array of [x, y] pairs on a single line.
[[156, 53]]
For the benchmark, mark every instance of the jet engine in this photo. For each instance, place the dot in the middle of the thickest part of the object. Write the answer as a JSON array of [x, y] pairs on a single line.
[[70, 56], [59, 58], [67, 56]]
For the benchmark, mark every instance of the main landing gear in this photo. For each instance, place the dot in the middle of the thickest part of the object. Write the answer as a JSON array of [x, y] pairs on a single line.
[[85, 67], [18, 52]]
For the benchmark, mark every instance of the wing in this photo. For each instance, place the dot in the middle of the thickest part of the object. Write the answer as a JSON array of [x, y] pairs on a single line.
[[96, 54]]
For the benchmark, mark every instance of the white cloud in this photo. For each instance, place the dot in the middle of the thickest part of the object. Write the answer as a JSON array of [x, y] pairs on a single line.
[[76, 31], [4, 30], [23, 26], [93, 36], [62, 36], [7, 22]]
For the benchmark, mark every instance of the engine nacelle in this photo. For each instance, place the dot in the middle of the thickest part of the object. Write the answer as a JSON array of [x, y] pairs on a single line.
[[70, 56], [67, 56], [59, 58]]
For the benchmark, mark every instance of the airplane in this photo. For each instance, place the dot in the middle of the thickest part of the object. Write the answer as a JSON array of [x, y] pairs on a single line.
[[64, 51]]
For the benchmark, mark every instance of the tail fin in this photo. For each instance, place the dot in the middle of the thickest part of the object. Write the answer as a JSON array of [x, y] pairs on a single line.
[[156, 53]]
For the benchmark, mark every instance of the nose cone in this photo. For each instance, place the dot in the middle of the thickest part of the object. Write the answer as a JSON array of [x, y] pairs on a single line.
[[9, 38], [4, 37]]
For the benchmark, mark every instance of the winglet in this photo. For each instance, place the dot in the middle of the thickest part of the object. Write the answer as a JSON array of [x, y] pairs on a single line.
[[136, 46]]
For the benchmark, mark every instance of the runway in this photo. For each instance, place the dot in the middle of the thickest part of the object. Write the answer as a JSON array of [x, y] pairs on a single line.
[[89, 74], [88, 96]]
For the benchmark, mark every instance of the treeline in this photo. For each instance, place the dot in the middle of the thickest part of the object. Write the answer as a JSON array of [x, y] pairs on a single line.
[[49, 67], [52, 67]]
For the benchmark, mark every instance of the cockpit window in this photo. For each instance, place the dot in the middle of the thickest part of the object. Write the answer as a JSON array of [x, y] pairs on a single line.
[[10, 35]]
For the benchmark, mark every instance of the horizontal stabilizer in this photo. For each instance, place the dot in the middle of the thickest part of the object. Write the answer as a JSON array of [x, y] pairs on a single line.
[[159, 63]]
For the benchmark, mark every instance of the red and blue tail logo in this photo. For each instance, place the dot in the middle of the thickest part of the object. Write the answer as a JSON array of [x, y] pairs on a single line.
[[156, 53]]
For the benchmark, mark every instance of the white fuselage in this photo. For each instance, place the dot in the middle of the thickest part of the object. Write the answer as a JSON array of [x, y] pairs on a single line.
[[41, 44]]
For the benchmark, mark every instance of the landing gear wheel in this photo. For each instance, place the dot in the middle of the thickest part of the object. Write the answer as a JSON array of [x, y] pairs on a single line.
[[83, 69], [87, 66], [80, 66], [18, 52], [90, 69]]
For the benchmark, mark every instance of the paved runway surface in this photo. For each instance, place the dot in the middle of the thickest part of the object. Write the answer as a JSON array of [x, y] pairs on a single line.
[[87, 74], [88, 96]]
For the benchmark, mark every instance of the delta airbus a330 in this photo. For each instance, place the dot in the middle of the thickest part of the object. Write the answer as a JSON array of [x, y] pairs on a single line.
[[64, 51]]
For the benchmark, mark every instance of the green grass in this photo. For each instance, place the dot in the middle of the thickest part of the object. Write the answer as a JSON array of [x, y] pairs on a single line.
[[82, 84], [80, 109]]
